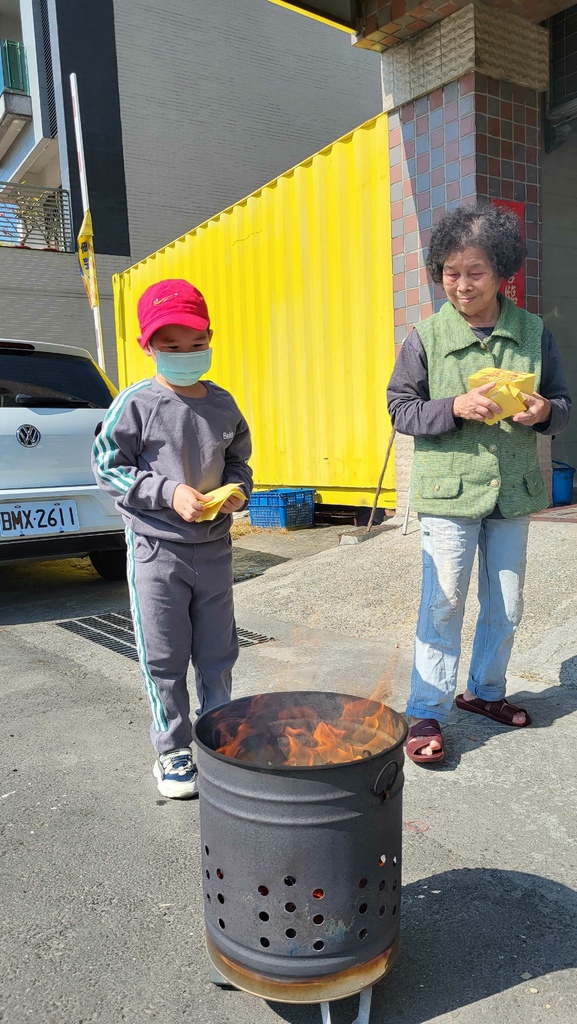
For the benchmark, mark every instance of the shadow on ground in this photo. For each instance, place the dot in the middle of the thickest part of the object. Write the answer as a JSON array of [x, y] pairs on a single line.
[[71, 587], [467, 731], [466, 935]]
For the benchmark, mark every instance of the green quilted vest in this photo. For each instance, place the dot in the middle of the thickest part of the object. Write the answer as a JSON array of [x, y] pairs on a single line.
[[467, 473]]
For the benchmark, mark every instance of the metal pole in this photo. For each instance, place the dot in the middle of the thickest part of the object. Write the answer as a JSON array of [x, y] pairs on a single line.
[[407, 511], [85, 203], [380, 482]]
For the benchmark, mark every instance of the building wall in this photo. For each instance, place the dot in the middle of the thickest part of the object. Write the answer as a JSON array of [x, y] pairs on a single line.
[[559, 212], [219, 97], [42, 299]]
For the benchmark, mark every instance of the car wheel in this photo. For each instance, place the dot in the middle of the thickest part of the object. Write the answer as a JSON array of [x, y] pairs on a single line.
[[111, 565]]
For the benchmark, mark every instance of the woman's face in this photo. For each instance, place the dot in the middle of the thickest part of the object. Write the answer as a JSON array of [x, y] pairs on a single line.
[[471, 284]]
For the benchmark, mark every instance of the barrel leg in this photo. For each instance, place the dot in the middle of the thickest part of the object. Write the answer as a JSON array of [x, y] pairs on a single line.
[[364, 1008], [217, 979]]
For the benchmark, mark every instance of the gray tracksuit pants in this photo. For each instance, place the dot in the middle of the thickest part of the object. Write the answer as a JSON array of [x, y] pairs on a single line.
[[182, 608]]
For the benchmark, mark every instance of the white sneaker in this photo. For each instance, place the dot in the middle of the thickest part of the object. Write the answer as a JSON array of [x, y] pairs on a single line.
[[176, 775]]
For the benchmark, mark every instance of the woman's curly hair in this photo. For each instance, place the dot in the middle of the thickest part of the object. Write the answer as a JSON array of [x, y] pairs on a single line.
[[495, 230]]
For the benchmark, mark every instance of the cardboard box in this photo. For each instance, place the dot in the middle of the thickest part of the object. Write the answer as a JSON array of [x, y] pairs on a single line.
[[507, 390]]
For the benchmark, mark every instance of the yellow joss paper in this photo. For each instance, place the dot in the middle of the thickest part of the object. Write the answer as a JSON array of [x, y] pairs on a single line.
[[507, 390], [217, 500]]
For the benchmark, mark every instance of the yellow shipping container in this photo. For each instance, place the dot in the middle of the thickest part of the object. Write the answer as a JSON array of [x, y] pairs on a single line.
[[298, 281]]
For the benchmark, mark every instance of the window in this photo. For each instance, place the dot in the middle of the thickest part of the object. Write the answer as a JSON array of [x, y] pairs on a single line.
[[49, 375]]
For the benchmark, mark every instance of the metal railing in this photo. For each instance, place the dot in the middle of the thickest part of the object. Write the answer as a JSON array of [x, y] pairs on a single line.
[[34, 217], [13, 71]]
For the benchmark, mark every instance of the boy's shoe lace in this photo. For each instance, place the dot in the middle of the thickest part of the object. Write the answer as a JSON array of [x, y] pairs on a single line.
[[176, 775]]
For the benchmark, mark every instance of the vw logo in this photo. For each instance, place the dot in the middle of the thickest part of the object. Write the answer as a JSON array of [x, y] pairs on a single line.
[[28, 435]]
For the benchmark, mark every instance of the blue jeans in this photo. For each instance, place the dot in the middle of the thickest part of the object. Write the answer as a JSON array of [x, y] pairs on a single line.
[[449, 547]]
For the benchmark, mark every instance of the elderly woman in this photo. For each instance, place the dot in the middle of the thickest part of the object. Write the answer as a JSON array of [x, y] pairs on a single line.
[[473, 485]]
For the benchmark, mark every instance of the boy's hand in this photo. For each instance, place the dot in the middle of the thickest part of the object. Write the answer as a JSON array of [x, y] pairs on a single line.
[[538, 410], [232, 504], [475, 405], [188, 503]]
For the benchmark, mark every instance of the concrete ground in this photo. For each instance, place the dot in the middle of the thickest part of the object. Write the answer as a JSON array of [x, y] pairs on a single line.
[[101, 901]]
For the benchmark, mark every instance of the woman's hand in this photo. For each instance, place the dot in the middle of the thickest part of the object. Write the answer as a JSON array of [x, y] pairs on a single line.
[[188, 503], [538, 410], [475, 405]]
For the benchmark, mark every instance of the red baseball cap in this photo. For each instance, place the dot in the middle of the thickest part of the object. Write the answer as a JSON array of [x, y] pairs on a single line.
[[171, 302]]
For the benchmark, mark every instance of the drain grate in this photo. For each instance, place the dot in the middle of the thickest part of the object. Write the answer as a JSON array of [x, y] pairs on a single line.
[[114, 630]]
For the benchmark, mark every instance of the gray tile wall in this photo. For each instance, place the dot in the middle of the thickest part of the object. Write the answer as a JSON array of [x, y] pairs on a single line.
[[217, 98], [220, 96], [559, 249], [42, 298]]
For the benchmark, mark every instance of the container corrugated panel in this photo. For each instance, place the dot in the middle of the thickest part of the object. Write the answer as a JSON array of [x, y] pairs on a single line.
[[298, 279]]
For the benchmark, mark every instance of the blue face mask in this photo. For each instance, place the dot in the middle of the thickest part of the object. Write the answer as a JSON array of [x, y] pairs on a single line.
[[183, 368]]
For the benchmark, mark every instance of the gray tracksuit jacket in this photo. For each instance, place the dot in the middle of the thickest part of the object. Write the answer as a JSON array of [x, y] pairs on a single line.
[[153, 439]]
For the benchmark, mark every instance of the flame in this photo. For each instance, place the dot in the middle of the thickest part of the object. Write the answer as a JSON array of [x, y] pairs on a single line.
[[268, 733]]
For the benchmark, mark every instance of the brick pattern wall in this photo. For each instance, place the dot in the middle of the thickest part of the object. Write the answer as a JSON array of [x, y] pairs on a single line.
[[433, 168], [475, 138], [387, 22], [508, 161]]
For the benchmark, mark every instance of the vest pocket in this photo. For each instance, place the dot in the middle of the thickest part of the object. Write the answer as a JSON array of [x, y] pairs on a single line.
[[533, 483], [444, 487]]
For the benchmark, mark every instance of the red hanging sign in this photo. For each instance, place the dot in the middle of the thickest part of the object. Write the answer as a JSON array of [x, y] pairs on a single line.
[[514, 287]]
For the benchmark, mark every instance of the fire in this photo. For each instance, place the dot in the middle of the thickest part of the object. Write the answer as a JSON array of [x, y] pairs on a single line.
[[281, 730]]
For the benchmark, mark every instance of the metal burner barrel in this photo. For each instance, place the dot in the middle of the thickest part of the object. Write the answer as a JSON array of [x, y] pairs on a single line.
[[301, 865]]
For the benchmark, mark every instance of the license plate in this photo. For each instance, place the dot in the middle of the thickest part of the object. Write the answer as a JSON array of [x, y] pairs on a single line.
[[35, 518]]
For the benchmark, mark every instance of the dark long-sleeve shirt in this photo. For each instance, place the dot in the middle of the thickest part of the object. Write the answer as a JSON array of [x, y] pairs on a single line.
[[414, 412]]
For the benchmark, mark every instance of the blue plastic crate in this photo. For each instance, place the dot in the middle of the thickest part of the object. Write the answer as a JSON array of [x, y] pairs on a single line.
[[283, 508]]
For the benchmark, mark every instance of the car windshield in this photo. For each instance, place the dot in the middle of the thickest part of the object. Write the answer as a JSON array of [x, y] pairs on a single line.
[[50, 375]]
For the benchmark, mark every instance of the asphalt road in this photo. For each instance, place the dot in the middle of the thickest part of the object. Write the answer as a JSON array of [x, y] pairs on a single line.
[[101, 901]]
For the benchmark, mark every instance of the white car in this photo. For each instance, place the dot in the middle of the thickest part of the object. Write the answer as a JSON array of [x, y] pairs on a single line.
[[52, 401]]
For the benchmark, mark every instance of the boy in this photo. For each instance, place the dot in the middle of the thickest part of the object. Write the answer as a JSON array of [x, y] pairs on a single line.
[[166, 443]]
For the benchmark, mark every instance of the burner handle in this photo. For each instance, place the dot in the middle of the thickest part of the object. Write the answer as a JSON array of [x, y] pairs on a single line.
[[384, 793]]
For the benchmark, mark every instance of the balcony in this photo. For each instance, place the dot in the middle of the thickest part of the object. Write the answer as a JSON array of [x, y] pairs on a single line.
[[15, 102], [34, 217], [13, 73]]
